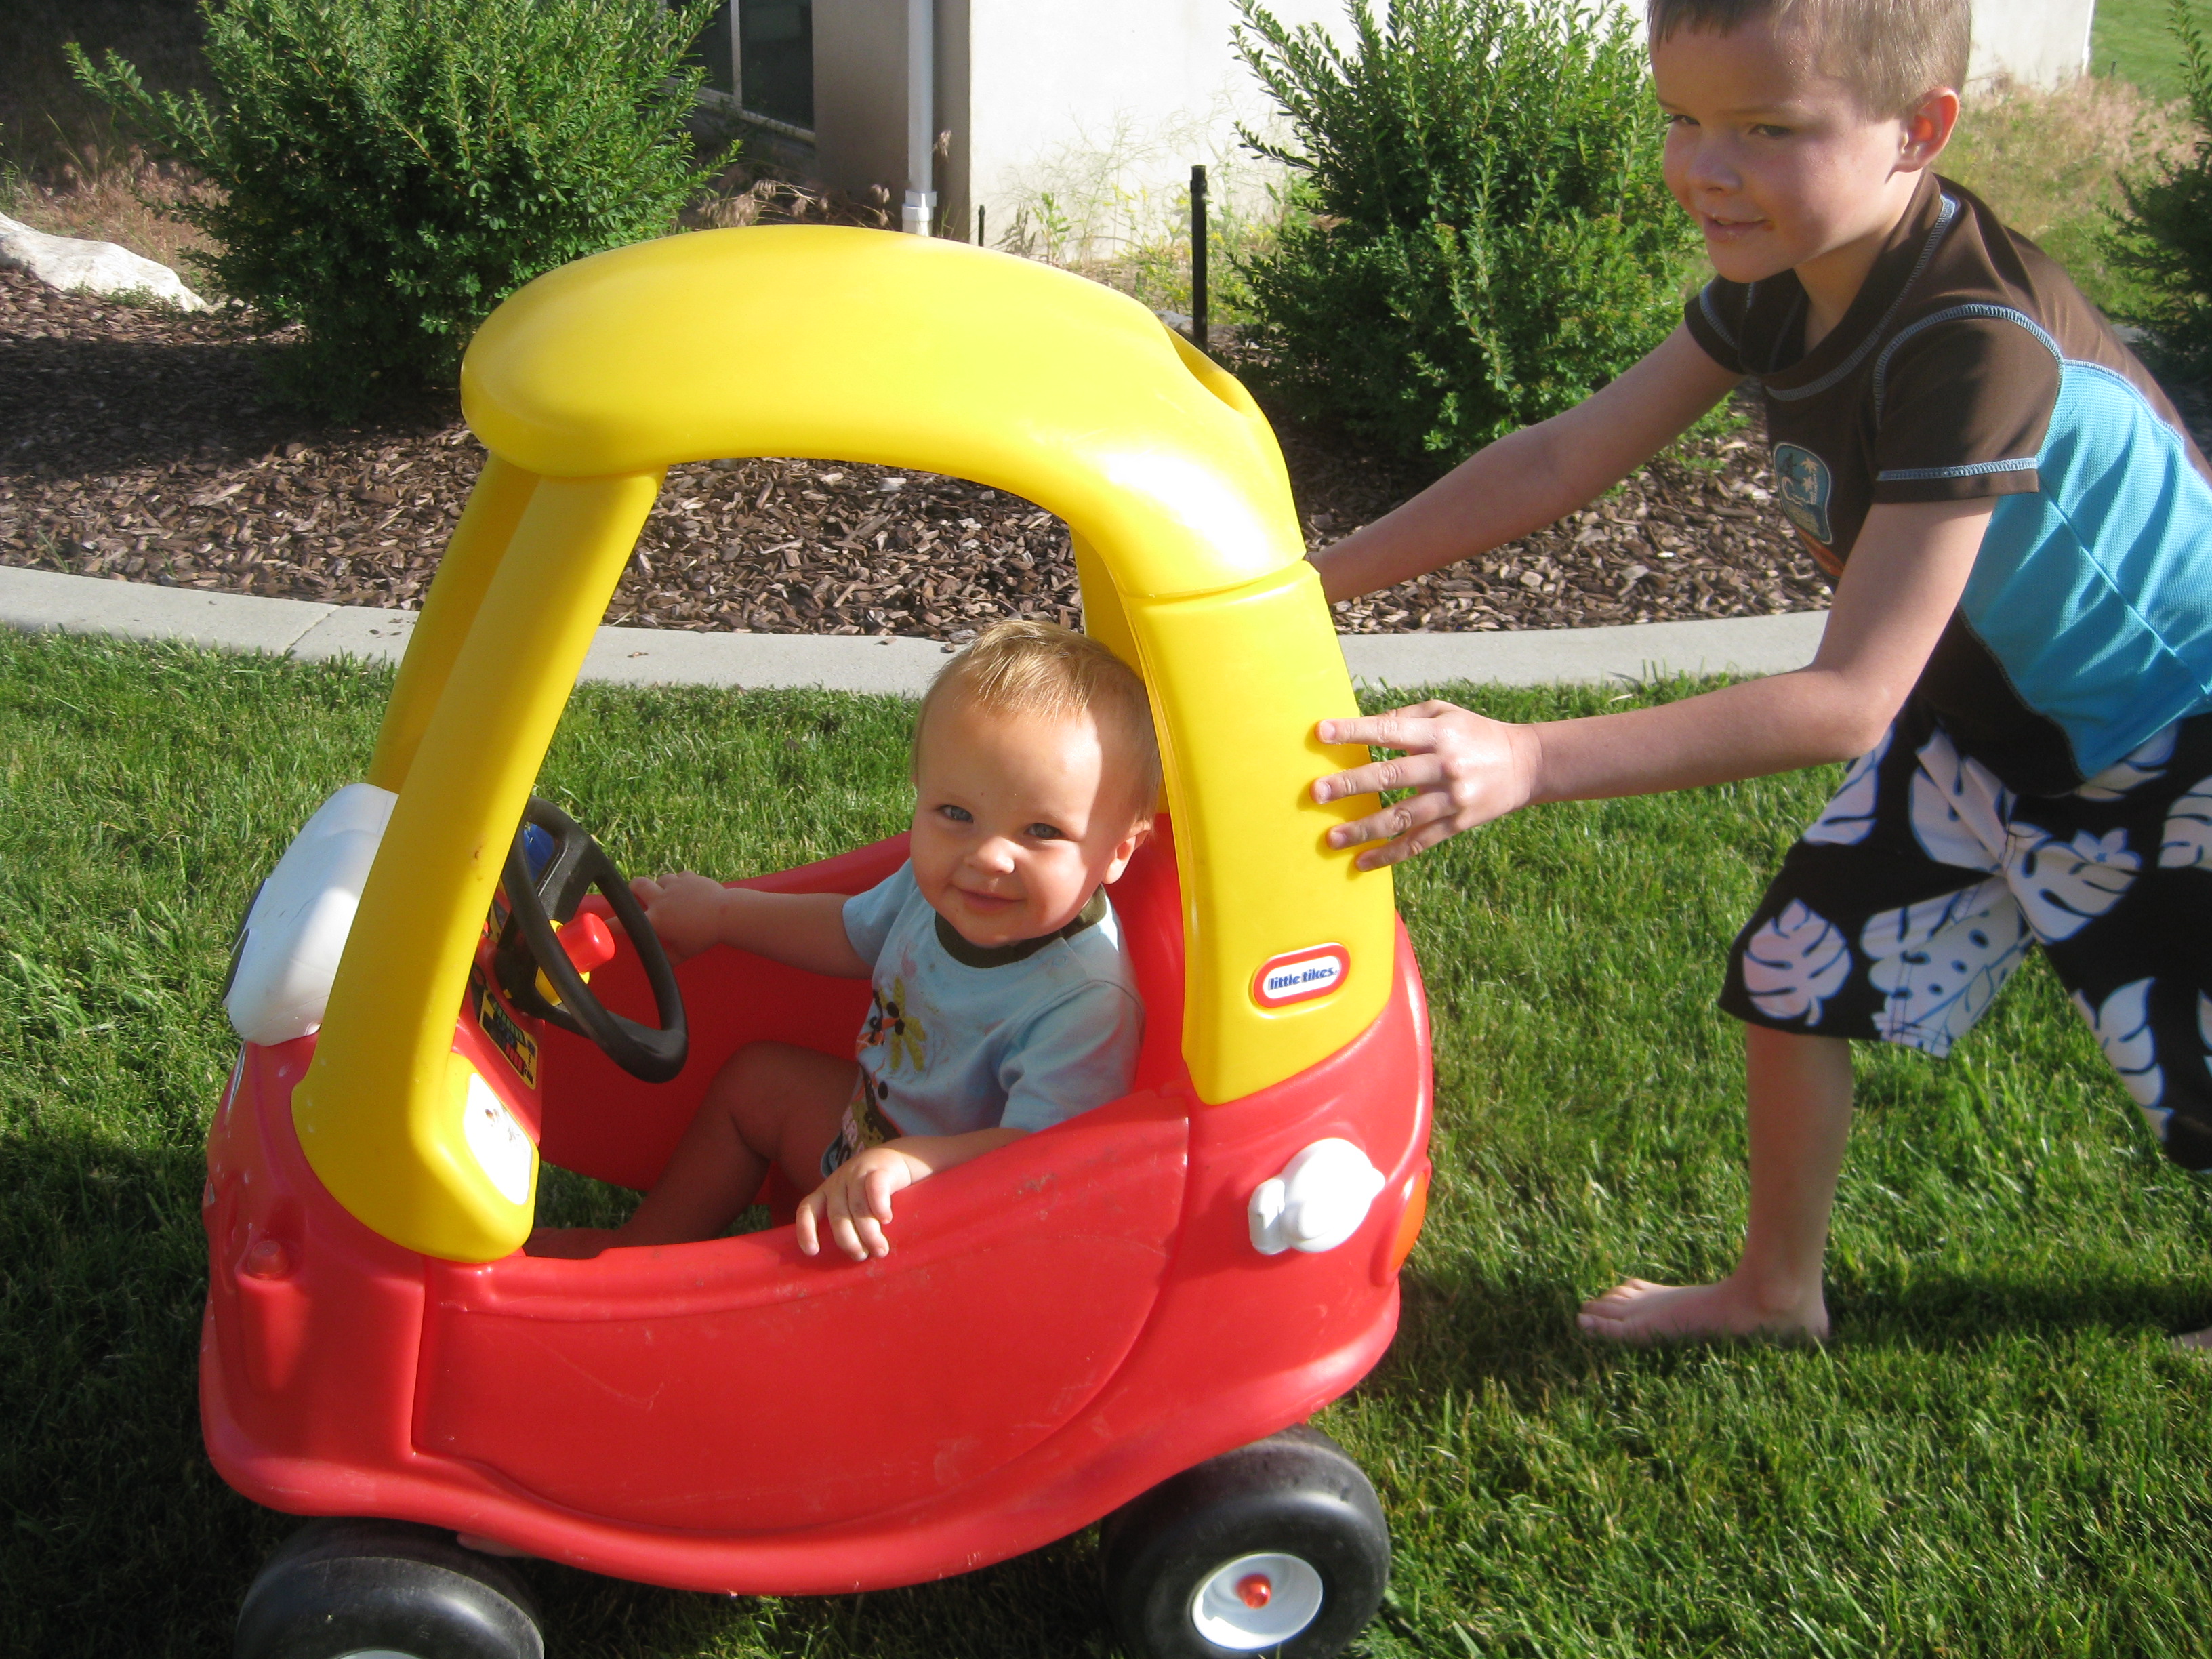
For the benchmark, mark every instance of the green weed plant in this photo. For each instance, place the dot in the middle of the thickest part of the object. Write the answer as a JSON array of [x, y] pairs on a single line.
[[390, 170], [1479, 234]]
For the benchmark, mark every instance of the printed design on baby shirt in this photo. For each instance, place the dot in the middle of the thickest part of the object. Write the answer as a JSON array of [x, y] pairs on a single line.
[[865, 1124], [1807, 485], [1938, 964], [1794, 964], [892, 1026]]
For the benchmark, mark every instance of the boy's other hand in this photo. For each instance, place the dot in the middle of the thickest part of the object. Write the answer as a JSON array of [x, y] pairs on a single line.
[[685, 910], [1462, 768], [855, 1202]]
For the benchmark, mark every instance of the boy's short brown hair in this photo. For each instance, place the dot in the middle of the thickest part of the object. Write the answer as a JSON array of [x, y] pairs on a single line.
[[1048, 672], [1890, 52]]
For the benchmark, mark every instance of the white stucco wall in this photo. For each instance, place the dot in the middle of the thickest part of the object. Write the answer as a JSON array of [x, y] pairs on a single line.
[[1102, 107], [1105, 107], [2037, 43]]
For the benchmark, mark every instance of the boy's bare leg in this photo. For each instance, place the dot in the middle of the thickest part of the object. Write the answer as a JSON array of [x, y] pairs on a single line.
[[773, 1103], [1800, 1095]]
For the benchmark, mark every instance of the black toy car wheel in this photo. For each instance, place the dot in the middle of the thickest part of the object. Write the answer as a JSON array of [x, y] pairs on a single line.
[[1278, 1547], [387, 1590]]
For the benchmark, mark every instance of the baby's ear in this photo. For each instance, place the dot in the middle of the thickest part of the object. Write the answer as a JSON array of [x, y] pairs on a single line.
[[1139, 833]]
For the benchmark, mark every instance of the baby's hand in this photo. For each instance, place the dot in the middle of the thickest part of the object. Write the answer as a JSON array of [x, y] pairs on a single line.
[[855, 1202], [685, 910]]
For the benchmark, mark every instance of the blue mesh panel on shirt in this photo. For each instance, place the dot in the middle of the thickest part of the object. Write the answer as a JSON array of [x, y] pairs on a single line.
[[2096, 595]]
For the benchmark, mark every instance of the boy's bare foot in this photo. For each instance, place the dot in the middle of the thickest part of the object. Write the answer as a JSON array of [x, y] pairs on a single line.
[[2195, 1341], [567, 1243], [1639, 1312]]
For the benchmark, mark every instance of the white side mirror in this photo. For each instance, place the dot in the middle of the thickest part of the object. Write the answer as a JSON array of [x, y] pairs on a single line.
[[296, 931], [1317, 1202]]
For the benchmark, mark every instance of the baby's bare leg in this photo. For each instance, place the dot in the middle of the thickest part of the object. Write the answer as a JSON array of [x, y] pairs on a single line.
[[773, 1103], [1799, 1090]]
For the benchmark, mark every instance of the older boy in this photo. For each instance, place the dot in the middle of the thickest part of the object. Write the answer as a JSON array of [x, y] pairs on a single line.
[[2020, 653], [1003, 1003]]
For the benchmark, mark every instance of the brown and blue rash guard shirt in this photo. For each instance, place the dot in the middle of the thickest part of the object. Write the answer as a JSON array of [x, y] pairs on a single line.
[[1970, 365]]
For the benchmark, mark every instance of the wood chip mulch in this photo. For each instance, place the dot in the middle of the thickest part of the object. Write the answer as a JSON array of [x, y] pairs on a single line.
[[137, 443]]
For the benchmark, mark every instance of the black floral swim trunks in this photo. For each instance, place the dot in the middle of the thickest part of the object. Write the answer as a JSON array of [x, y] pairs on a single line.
[[1902, 911]]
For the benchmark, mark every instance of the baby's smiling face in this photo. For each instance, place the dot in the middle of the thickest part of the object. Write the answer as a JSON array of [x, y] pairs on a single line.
[[1017, 819]]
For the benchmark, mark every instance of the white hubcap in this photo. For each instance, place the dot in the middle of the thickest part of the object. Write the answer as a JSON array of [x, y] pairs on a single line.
[[1256, 1602]]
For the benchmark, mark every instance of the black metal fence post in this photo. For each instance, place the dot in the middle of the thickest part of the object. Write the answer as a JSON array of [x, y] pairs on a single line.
[[1197, 258]]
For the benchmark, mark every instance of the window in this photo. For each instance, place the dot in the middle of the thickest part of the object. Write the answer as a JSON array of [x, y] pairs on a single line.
[[775, 56]]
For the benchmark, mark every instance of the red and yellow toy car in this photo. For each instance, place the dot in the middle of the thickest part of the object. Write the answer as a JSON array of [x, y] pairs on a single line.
[[1127, 1317]]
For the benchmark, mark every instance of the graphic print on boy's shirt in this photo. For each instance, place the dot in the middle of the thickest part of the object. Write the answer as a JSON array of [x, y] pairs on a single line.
[[1969, 367], [959, 1037]]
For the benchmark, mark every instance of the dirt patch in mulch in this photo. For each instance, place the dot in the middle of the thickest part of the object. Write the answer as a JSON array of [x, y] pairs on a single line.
[[137, 443]]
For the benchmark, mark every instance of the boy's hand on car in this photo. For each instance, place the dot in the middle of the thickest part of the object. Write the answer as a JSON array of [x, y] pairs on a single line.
[[1462, 768], [685, 910], [855, 1202]]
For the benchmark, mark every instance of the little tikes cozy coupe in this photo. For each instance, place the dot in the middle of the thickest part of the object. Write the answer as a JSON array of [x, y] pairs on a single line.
[[1127, 1317]]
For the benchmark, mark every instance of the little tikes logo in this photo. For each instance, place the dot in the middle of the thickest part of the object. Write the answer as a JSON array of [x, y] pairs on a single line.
[[1806, 487], [1300, 975]]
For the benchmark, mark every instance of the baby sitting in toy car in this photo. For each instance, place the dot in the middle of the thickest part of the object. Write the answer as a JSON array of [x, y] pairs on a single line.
[[1003, 1003]]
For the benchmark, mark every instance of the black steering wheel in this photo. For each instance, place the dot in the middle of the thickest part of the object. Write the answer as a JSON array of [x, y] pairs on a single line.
[[528, 946]]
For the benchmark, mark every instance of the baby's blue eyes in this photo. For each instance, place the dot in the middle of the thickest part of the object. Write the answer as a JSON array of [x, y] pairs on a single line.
[[953, 814]]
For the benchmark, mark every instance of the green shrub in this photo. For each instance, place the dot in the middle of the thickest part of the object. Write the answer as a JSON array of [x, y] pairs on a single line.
[[390, 170], [1478, 232], [2164, 236]]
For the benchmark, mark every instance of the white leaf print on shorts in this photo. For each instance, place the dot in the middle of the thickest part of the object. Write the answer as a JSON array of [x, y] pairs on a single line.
[[1939, 962], [1959, 809], [1794, 964], [1849, 818], [2123, 1029], [2188, 842], [2141, 765], [2065, 885], [2204, 1026]]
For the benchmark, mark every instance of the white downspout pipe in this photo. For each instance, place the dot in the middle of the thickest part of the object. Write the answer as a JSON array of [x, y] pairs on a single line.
[[919, 213]]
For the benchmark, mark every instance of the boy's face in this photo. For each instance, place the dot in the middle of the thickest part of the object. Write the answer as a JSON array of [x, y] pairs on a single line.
[[1776, 161], [1017, 821]]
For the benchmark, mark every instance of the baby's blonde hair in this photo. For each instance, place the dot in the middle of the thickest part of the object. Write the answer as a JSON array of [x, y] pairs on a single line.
[[1891, 53], [1045, 671]]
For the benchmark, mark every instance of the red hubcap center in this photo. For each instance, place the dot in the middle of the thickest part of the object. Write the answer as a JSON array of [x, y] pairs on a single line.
[[1255, 1589]]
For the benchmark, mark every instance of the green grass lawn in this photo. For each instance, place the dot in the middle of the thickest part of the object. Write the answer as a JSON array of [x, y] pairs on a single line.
[[1998, 1455], [2128, 40]]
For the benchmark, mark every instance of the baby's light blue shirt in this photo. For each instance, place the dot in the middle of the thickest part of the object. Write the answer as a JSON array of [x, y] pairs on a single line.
[[959, 1038]]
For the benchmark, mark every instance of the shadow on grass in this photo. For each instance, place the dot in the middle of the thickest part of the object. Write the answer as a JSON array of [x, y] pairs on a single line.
[[1463, 1331], [119, 1538], [1951, 1310]]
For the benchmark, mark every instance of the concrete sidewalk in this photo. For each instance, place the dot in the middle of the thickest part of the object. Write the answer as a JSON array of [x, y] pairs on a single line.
[[38, 600]]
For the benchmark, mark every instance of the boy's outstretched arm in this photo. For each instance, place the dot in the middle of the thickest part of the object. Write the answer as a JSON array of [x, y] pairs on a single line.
[[1524, 482], [1896, 595]]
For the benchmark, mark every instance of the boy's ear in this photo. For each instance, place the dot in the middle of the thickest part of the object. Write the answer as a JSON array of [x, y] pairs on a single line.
[[1928, 128]]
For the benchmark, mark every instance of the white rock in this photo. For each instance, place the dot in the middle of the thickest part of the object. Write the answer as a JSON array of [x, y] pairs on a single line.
[[74, 266]]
